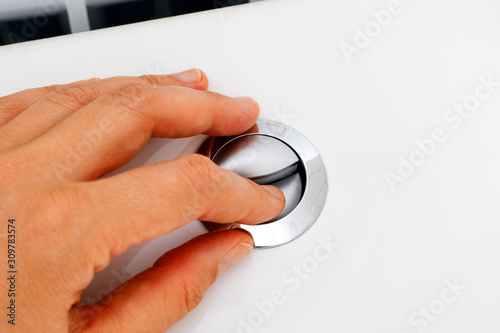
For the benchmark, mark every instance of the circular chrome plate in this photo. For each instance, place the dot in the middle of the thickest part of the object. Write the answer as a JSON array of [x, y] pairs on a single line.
[[314, 184]]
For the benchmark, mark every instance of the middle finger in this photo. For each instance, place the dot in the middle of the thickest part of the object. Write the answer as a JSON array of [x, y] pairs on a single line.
[[108, 132]]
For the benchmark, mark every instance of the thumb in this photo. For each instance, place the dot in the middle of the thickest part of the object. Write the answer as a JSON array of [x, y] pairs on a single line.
[[157, 298]]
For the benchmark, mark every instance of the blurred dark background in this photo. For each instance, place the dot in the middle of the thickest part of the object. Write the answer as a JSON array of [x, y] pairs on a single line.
[[40, 24]]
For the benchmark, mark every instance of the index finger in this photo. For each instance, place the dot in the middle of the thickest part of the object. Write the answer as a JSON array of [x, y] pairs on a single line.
[[108, 132]]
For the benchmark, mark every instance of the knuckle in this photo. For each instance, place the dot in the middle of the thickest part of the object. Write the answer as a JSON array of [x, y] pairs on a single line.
[[152, 79], [8, 104], [200, 178], [130, 97], [48, 89], [133, 92], [198, 170], [8, 109], [80, 95], [193, 295]]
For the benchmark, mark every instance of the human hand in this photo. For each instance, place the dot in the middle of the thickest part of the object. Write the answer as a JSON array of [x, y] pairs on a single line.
[[55, 144]]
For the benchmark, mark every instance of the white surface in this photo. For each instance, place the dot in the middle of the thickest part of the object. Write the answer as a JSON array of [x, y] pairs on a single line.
[[396, 248]]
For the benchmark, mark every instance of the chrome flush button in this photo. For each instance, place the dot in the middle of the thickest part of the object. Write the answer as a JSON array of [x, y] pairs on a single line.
[[267, 161], [272, 153]]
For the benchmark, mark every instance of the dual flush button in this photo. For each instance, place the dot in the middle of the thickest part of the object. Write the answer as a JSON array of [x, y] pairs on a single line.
[[272, 153]]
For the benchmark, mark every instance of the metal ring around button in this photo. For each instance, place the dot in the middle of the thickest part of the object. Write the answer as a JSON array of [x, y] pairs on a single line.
[[308, 209]]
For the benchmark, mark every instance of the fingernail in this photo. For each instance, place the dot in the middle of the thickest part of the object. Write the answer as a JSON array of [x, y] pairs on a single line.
[[189, 76], [276, 192], [234, 256], [246, 232], [246, 100]]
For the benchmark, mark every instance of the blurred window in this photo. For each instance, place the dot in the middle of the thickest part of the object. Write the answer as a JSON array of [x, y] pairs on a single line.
[[40, 22]]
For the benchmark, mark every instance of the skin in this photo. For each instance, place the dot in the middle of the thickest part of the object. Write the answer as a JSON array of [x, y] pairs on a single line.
[[55, 144]]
